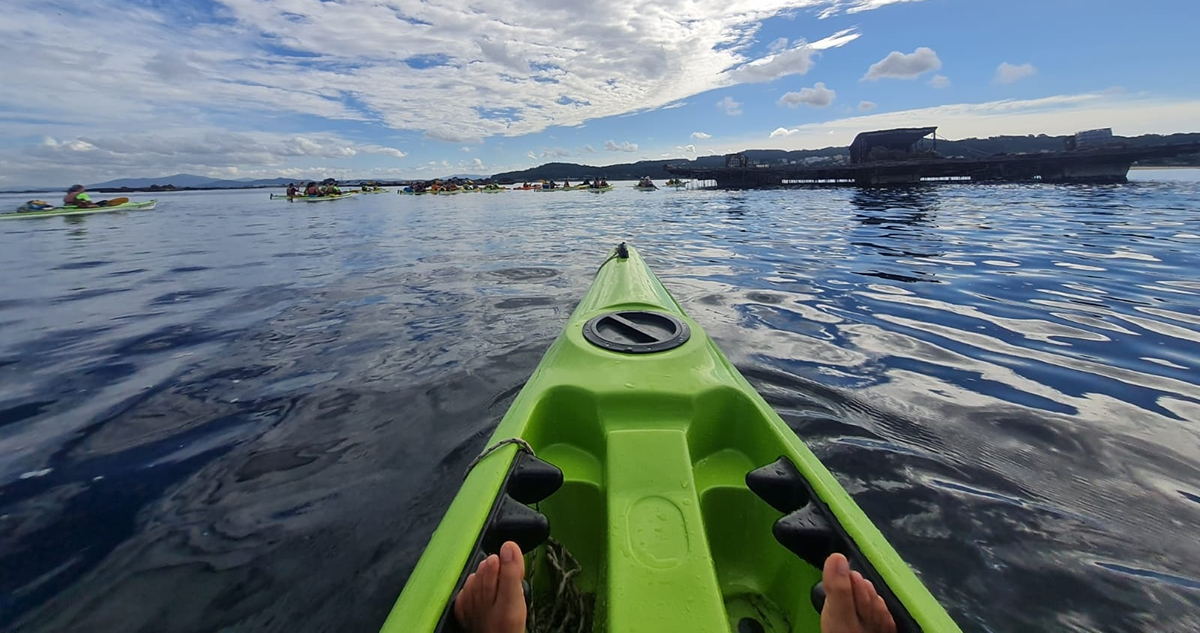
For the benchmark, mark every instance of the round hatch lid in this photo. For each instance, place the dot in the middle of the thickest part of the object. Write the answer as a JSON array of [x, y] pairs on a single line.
[[636, 331]]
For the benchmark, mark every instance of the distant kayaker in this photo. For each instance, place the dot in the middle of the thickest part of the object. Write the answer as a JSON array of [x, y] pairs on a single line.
[[566, 183], [292, 191], [492, 600], [76, 196], [312, 190]]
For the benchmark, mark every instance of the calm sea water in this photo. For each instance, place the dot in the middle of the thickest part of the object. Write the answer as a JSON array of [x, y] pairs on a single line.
[[240, 413]]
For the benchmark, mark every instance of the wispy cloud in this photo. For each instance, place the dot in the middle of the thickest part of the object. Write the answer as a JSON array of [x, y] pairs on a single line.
[[1008, 73], [623, 147], [729, 106], [793, 61], [866, 106], [701, 136], [939, 81], [857, 6]]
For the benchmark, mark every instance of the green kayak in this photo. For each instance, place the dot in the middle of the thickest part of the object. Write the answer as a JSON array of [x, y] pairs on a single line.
[[600, 189], [327, 198], [637, 453], [52, 212], [279, 196]]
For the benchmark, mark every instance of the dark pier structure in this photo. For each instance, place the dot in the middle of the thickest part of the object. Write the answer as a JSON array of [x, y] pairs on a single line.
[[904, 156]]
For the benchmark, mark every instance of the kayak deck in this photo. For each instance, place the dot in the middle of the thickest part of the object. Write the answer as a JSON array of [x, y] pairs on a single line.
[[54, 212], [659, 452]]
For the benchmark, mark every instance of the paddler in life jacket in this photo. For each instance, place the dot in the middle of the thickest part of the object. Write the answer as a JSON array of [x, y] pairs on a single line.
[[78, 198], [312, 190], [292, 191]]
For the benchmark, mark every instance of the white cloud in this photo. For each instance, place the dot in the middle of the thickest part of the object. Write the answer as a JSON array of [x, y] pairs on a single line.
[[940, 81], [701, 136], [555, 152], [783, 132], [778, 45], [456, 73], [465, 149], [623, 147], [729, 106], [1007, 73], [866, 106], [818, 97], [204, 151], [380, 149], [689, 149], [477, 164], [589, 149], [899, 65]]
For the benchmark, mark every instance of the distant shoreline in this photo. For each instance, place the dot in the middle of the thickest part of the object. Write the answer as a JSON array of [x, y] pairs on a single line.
[[153, 189], [1152, 167]]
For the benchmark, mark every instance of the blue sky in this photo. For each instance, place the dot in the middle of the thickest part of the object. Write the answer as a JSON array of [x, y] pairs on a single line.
[[406, 88]]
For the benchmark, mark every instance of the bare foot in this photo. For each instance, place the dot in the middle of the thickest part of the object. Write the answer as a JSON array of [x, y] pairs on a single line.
[[492, 601], [851, 604]]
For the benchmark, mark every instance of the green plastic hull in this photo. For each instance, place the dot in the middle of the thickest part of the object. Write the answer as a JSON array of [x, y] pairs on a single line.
[[147, 205], [327, 198], [655, 449]]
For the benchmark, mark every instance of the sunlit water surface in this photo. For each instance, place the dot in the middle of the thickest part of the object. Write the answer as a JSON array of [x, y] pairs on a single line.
[[244, 413]]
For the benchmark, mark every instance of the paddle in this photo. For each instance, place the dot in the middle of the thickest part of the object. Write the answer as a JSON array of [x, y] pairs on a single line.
[[112, 203]]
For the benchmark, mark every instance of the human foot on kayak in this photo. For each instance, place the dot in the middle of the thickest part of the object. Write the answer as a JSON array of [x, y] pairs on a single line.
[[851, 603], [492, 600]]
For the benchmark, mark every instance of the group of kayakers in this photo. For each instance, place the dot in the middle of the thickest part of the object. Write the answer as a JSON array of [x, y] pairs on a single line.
[[550, 184], [438, 186], [314, 190], [645, 183]]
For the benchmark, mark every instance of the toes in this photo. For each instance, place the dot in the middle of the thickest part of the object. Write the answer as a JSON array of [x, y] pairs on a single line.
[[883, 618], [489, 576], [459, 612], [466, 598], [839, 592], [509, 595], [864, 597]]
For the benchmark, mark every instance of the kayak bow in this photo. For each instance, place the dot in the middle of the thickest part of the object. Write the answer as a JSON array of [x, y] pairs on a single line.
[[688, 503]]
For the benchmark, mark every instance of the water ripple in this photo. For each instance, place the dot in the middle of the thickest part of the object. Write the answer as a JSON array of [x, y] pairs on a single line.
[[200, 401]]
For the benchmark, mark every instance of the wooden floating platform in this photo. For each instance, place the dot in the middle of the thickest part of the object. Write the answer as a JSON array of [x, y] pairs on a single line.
[[1106, 164]]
